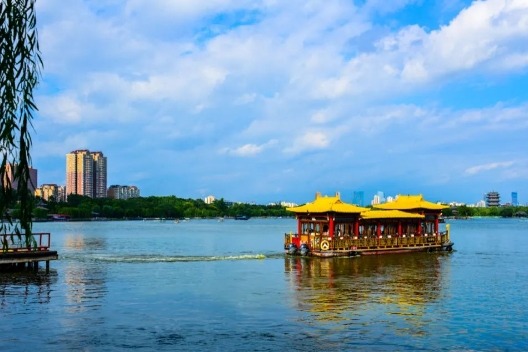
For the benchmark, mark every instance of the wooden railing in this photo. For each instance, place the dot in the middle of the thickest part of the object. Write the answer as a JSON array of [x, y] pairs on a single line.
[[347, 243], [23, 243]]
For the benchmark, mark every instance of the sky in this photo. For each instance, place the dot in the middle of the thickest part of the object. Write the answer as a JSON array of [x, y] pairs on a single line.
[[267, 100]]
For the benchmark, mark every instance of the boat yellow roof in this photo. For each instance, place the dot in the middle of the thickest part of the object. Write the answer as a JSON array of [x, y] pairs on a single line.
[[326, 204], [390, 214], [410, 202]]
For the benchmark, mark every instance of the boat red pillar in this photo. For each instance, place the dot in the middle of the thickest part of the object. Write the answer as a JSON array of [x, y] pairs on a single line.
[[299, 226]]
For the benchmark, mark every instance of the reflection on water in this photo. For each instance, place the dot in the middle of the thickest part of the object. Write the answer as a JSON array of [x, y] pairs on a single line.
[[25, 287], [86, 286], [79, 242], [340, 289], [86, 281]]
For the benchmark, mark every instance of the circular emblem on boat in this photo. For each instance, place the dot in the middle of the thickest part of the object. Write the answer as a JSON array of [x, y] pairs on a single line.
[[325, 245]]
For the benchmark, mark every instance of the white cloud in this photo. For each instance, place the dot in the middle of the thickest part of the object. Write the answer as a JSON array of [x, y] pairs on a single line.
[[63, 109], [246, 99], [487, 167], [248, 150], [488, 35], [495, 118], [320, 80], [180, 9], [308, 141], [322, 116], [182, 85], [488, 32]]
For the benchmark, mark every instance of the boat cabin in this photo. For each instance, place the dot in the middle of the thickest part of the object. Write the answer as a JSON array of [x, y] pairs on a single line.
[[330, 227]]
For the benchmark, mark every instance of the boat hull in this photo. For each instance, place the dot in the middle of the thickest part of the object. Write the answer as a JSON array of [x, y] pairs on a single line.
[[445, 247]]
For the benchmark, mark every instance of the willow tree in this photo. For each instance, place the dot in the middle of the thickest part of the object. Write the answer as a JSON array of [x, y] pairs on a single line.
[[20, 65]]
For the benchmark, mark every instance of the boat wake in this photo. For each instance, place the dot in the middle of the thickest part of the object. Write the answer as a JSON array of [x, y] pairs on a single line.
[[157, 258]]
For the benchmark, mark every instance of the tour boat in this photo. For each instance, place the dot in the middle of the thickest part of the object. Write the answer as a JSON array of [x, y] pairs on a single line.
[[329, 227]]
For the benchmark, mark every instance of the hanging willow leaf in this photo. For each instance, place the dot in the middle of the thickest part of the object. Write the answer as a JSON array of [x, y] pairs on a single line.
[[20, 65]]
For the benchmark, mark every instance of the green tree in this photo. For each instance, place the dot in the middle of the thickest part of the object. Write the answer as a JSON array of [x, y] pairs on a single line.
[[40, 213], [507, 212], [20, 65], [221, 205], [494, 211], [447, 212], [464, 211]]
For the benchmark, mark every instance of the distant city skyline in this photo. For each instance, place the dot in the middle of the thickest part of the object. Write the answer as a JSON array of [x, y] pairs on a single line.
[[267, 101], [125, 192], [357, 197]]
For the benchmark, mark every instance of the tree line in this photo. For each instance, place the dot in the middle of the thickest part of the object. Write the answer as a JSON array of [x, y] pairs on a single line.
[[170, 207], [503, 211]]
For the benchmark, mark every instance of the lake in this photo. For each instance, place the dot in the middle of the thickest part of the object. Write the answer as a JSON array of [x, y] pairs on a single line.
[[227, 286]]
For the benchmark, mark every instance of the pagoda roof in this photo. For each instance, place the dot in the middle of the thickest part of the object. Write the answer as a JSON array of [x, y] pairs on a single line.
[[326, 204], [390, 214], [410, 202]]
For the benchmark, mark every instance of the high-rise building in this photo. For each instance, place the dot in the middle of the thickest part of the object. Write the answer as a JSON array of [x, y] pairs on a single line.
[[61, 194], [515, 201], [359, 198], [379, 198], [123, 192], [86, 173], [32, 182], [209, 199], [48, 192], [99, 169]]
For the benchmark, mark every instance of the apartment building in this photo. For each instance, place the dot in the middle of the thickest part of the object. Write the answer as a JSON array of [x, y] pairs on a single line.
[[32, 181], [123, 192], [86, 173], [48, 192]]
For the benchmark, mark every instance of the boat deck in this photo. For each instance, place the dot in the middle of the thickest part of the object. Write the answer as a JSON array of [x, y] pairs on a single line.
[[340, 247], [383, 250], [20, 252]]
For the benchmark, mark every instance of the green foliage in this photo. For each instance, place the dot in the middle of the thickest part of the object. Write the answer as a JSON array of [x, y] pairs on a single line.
[[464, 211], [20, 65], [81, 207], [448, 212], [506, 211]]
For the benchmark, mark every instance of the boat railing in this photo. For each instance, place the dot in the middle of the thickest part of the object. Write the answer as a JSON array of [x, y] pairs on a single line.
[[325, 242], [25, 243]]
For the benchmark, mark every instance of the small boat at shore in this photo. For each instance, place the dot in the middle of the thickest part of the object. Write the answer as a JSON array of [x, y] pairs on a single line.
[[241, 217], [329, 227]]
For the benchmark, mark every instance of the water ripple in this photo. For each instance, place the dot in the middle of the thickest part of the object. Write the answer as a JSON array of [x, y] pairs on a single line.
[[156, 258]]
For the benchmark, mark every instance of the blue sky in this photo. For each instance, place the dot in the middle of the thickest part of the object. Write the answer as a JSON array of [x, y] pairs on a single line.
[[268, 100]]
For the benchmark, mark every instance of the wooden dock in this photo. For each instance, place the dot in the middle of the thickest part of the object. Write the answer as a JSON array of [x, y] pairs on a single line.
[[21, 251]]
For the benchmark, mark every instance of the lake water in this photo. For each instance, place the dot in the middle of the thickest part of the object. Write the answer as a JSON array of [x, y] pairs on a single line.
[[226, 286]]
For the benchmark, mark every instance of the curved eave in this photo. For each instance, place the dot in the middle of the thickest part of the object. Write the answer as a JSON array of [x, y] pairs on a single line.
[[389, 214], [324, 205], [390, 206], [326, 210], [410, 202]]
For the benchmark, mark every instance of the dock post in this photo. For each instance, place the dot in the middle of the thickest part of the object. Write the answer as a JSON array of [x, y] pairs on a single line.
[[47, 266]]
